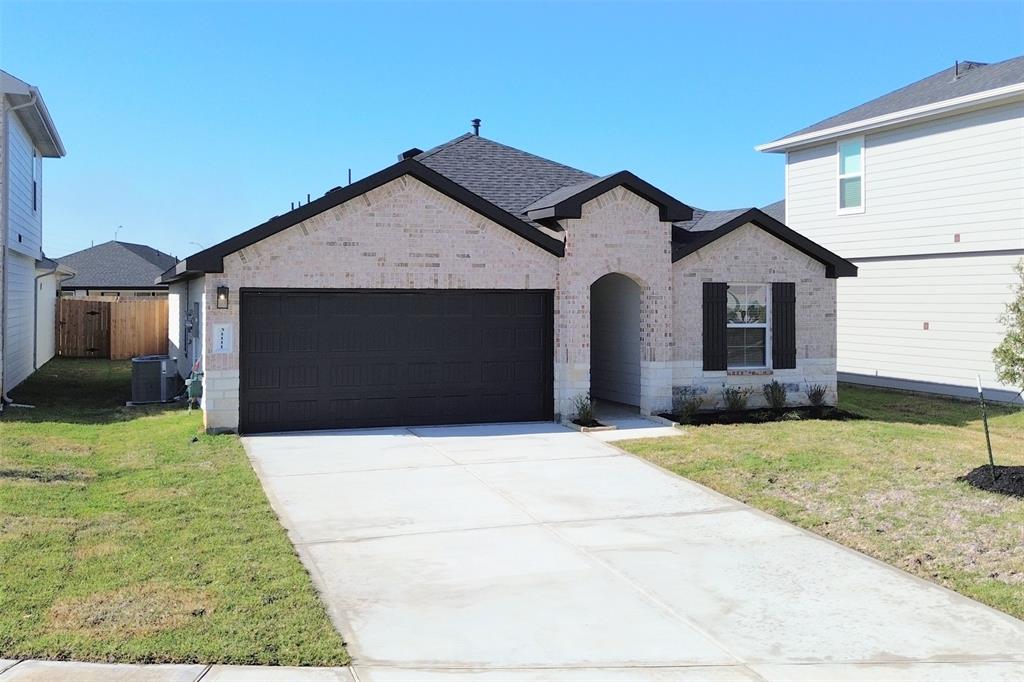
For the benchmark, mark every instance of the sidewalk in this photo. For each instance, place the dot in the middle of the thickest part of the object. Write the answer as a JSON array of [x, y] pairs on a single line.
[[57, 671]]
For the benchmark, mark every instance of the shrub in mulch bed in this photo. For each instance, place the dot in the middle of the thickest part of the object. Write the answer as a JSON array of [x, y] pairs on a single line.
[[763, 416], [1009, 480]]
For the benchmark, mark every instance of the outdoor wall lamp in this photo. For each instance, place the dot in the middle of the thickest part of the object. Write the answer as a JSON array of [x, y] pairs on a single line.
[[222, 298]]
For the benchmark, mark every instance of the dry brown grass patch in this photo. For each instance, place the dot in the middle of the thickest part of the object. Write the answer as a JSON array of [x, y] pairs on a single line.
[[133, 611]]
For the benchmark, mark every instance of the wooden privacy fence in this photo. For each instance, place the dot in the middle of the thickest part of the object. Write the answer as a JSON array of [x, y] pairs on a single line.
[[111, 329]]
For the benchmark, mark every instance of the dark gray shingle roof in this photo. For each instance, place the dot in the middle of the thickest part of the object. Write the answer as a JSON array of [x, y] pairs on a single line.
[[974, 77], [776, 210], [116, 264], [709, 220], [505, 176], [563, 193]]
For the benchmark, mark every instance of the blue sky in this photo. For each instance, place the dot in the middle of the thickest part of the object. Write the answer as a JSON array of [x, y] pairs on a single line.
[[188, 123]]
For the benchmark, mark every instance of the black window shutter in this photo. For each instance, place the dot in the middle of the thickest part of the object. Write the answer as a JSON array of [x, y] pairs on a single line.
[[783, 325], [715, 307]]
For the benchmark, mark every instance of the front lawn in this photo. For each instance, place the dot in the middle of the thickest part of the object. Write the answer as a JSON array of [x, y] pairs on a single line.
[[128, 535], [884, 485]]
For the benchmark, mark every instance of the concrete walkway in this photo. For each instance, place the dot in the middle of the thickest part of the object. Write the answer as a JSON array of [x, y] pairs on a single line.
[[530, 552]]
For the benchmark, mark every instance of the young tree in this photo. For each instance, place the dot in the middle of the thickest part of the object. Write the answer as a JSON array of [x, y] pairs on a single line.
[[1009, 355]]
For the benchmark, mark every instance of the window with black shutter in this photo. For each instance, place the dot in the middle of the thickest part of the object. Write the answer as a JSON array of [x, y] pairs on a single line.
[[783, 325], [715, 307]]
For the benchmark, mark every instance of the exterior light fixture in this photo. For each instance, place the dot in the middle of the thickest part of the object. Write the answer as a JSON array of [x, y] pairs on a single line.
[[222, 298]]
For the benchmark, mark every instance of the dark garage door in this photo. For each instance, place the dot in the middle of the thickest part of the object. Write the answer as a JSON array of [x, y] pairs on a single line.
[[315, 359]]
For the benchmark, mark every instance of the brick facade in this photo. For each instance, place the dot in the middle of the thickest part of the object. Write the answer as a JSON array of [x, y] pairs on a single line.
[[749, 255], [405, 234]]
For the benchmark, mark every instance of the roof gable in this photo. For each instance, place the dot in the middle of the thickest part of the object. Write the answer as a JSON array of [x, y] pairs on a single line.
[[709, 226], [212, 259], [567, 202]]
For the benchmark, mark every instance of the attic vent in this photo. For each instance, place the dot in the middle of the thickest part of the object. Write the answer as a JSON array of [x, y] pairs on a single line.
[[960, 68], [409, 153]]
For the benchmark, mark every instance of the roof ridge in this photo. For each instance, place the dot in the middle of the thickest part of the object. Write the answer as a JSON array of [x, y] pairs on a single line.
[[444, 145], [466, 136], [542, 158]]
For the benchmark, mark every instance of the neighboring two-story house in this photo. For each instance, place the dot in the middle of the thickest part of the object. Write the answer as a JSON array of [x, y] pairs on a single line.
[[923, 189], [28, 281]]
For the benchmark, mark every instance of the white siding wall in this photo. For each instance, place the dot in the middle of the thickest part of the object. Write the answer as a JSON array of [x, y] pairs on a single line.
[[46, 314], [883, 310], [19, 338], [24, 220], [183, 345], [922, 185], [615, 340]]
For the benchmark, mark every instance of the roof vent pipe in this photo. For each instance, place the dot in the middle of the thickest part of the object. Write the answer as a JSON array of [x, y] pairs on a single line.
[[476, 126]]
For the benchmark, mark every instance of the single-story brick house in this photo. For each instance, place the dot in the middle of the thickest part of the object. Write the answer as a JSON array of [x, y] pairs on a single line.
[[475, 282]]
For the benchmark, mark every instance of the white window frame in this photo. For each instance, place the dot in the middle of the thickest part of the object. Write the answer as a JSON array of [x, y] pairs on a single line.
[[840, 176], [766, 325]]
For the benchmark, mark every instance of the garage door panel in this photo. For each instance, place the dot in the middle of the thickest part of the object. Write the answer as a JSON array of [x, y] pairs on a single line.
[[301, 376], [329, 359]]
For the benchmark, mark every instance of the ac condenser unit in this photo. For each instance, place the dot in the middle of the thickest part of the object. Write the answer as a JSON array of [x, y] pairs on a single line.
[[154, 379]]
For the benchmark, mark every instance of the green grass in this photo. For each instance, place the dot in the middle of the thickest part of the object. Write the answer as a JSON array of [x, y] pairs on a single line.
[[884, 485], [128, 535]]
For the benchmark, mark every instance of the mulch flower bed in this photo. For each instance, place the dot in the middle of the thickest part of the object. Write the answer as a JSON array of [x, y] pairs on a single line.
[[763, 416], [1009, 480], [590, 423]]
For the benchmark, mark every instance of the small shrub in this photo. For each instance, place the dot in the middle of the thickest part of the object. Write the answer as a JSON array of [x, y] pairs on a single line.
[[816, 394], [686, 402], [735, 397], [775, 395], [584, 408]]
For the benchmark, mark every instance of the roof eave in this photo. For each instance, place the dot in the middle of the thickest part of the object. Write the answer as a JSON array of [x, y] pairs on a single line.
[[179, 272], [835, 266], [50, 145], [896, 118]]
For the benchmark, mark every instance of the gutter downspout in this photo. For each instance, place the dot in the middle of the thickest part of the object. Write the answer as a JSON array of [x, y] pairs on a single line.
[[35, 309], [35, 316]]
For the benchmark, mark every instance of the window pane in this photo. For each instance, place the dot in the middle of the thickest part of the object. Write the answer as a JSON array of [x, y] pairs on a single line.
[[746, 304], [849, 193], [849, 157], [746, 347]]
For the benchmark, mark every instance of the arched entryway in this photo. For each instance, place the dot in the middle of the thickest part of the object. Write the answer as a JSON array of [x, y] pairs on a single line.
[[615, 340]]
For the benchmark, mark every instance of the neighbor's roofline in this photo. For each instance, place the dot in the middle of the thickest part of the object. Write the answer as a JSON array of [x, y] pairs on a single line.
[[896, 118], [212, 259]]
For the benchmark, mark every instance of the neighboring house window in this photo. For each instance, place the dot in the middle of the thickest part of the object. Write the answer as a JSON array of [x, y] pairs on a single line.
[[851, 175], [35, 181], [747, 325]]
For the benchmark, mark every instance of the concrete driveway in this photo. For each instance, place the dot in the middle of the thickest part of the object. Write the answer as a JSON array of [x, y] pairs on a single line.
[[532, 552]]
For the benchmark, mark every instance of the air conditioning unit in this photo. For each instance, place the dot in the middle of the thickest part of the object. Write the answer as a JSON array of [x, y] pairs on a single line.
[[154, 379]]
